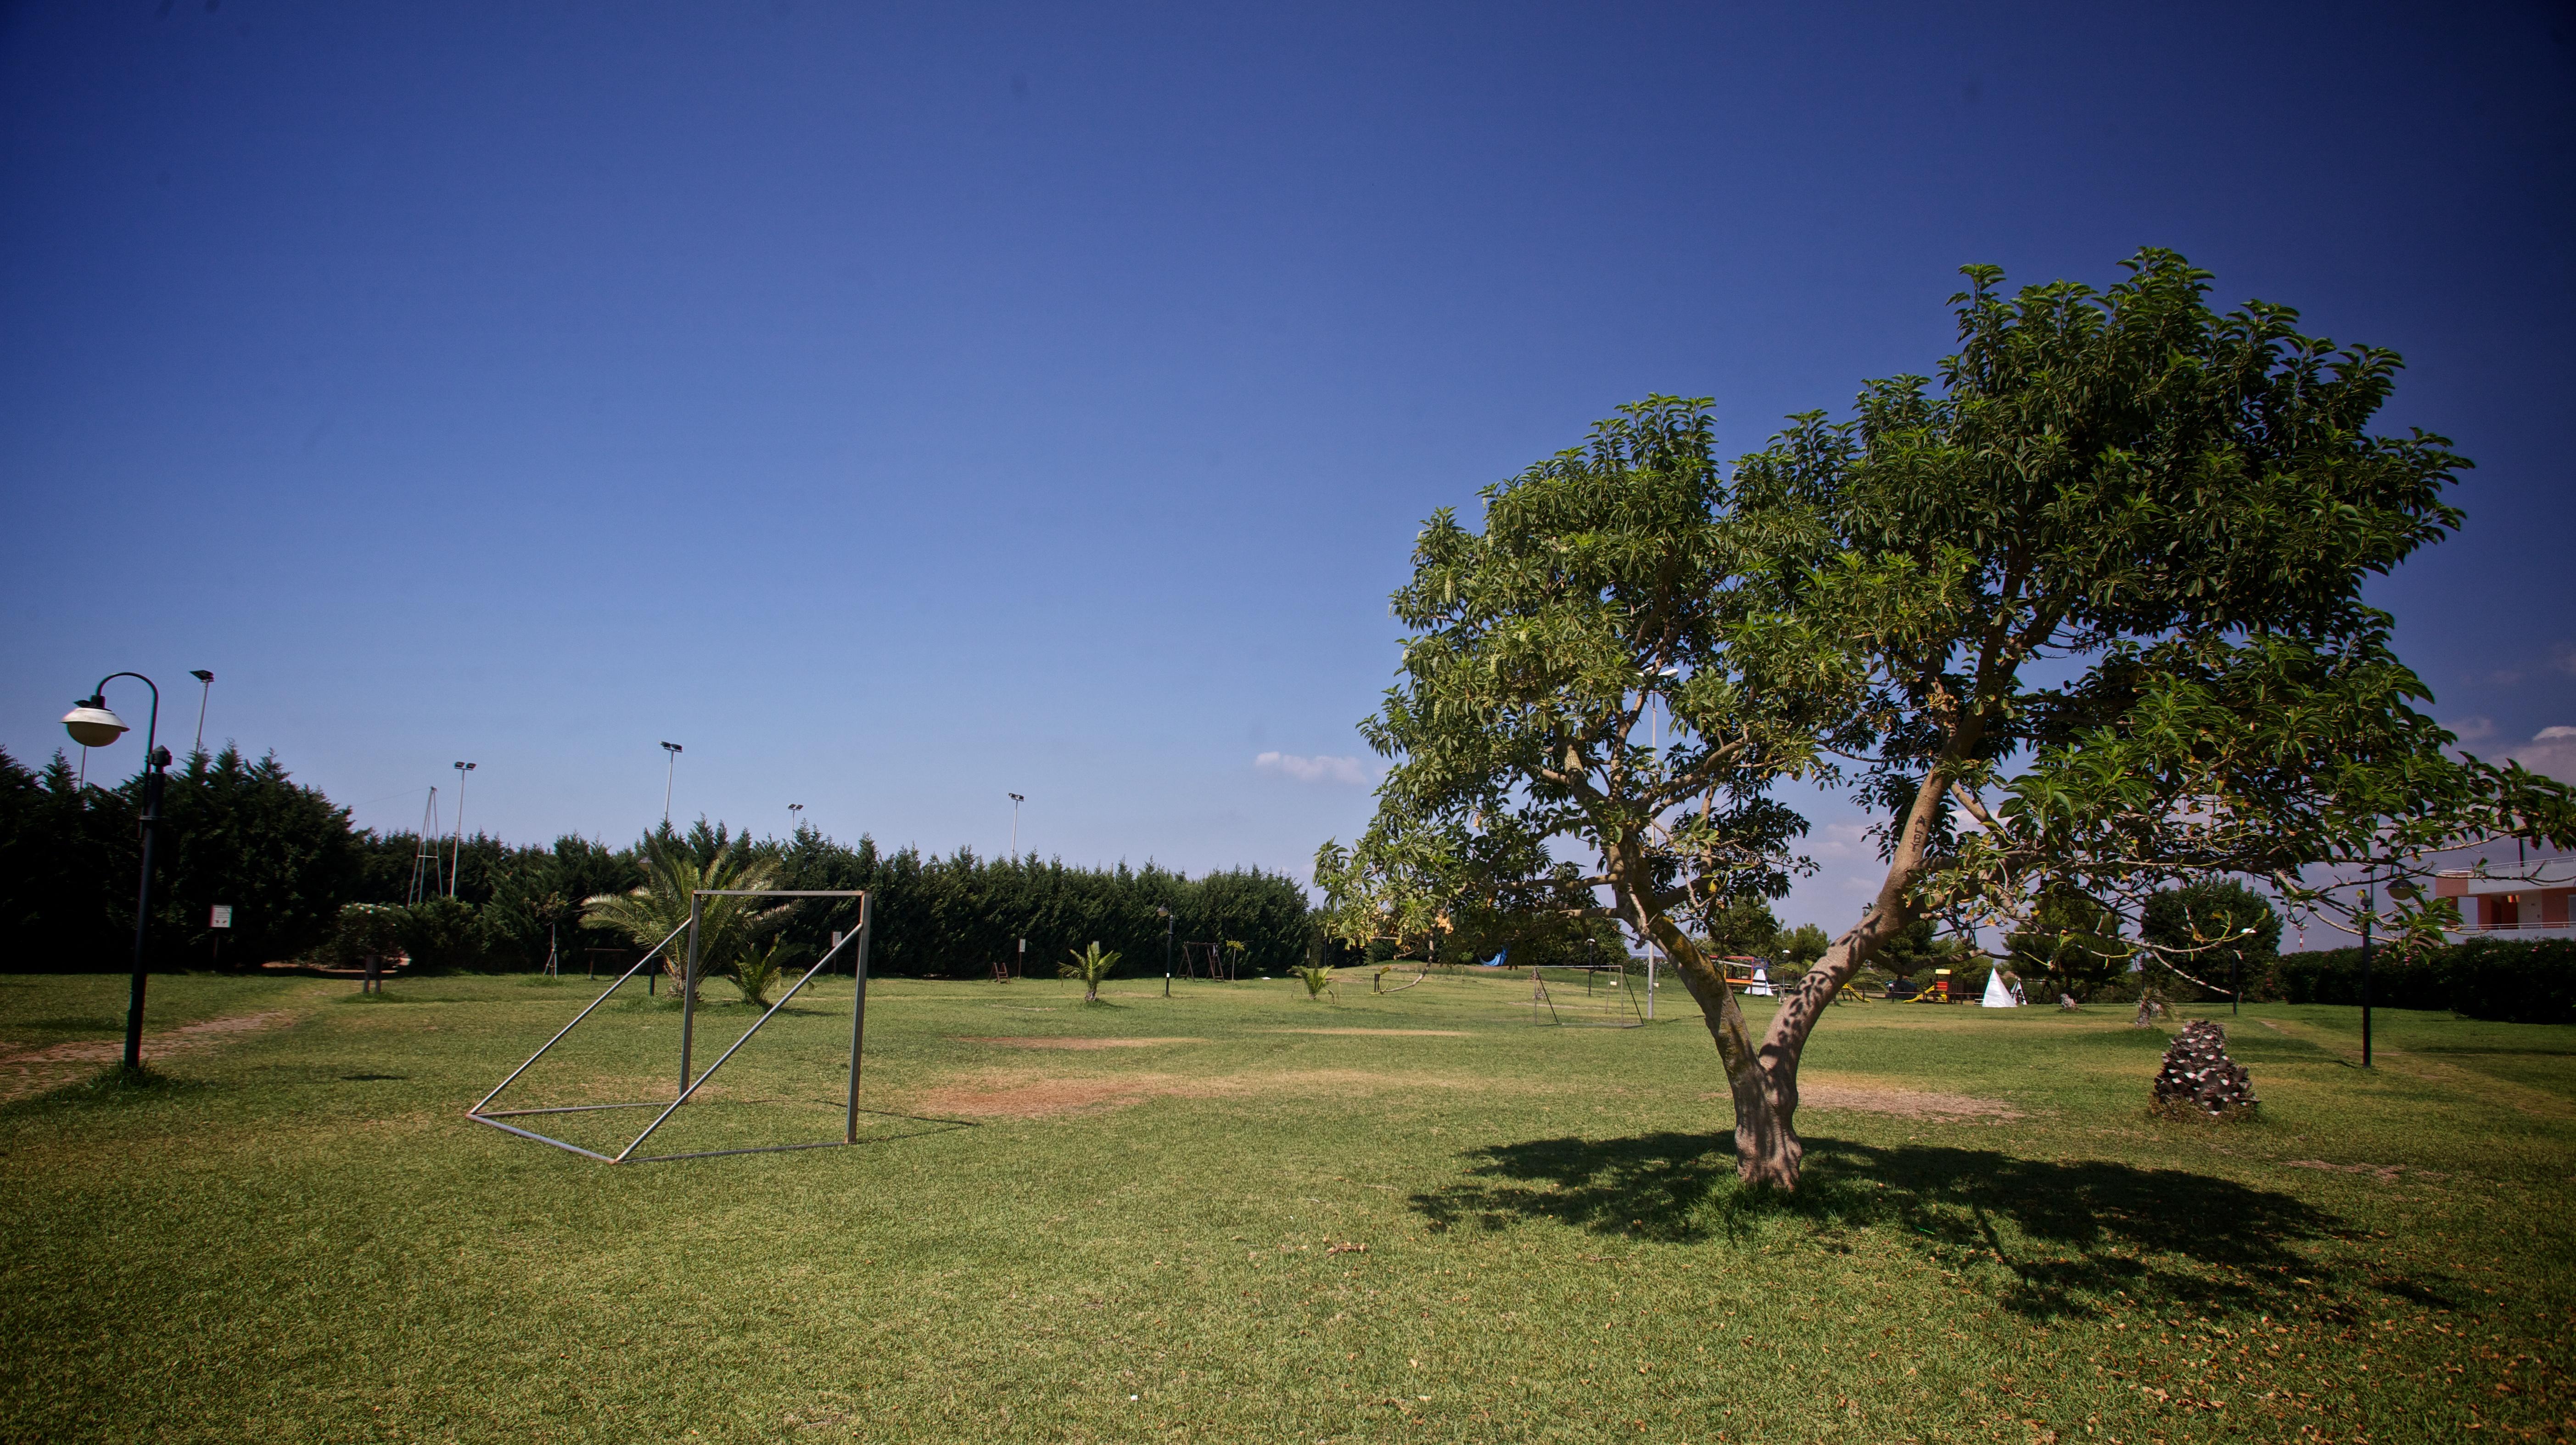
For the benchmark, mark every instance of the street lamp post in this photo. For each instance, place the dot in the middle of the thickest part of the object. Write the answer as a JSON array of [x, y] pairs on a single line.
[[795, 819], [1016, 800], [456, 854], [1167, 948], [668, 773], [93, 726], [208, 678], [2369, 906]]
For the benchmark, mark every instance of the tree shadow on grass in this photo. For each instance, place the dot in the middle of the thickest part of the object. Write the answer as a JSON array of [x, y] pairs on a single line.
[[2046, 1237]]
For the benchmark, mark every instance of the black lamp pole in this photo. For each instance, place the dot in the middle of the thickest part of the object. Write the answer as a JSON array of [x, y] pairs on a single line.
[[1167, 949], [154, 761], [2369, 904]]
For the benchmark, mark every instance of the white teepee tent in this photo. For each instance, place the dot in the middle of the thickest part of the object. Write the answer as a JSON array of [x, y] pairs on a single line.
[[1998, 996]]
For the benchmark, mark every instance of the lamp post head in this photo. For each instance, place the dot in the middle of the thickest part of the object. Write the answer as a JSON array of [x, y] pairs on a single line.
[[200, 674], [465, 767], [1016, 798], [671, 747], [91, 724]]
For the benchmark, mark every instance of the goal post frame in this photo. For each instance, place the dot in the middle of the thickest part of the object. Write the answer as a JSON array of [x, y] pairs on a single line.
[[856, 940]]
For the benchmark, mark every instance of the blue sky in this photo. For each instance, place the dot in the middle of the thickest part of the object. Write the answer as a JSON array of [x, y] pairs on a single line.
[[902, 406]]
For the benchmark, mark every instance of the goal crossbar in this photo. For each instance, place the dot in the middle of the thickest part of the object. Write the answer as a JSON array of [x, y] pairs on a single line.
[[856, 941]]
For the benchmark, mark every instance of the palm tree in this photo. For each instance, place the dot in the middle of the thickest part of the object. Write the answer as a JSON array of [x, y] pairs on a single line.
[[725, 925], [1091, 966]]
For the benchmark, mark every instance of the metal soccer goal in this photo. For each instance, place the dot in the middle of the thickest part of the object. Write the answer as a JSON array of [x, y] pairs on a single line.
[[856, 940], [1601, 995]]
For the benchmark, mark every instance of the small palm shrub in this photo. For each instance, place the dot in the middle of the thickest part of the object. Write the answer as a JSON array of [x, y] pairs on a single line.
[[1318, 979], [1091, 966], [756, 973]]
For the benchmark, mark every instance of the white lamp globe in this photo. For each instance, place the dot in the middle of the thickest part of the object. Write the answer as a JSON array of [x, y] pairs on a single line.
[[92, 725]]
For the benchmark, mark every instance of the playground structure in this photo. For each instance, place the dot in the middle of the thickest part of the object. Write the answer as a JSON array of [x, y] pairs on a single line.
[[1596, 995], [1223, 961], [484, 1113], [1748, 975]]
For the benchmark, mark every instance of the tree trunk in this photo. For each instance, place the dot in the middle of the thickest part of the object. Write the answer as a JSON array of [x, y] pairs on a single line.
[[1091, 990], [1764, 1080]]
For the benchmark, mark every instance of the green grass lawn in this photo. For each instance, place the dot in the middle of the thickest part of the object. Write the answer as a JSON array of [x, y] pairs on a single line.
[[1248, 1230]]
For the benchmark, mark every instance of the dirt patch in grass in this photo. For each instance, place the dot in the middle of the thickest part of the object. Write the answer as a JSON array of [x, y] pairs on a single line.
[[33, 1071], [1904, 1103], [1074, 1043], [2384, 1173], [1030, 1094], [1381, 1033]]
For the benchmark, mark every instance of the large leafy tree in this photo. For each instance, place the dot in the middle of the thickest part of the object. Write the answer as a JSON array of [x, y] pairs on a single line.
[[2086, 617], [1567, 736]]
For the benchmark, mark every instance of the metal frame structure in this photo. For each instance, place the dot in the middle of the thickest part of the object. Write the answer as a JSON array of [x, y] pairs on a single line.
[[1542, 1001], [1221, 967], [483, 1113]]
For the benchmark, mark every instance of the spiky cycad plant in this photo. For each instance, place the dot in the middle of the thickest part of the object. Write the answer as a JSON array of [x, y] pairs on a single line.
[[726, 926], [1318, 979], [1091, 966]]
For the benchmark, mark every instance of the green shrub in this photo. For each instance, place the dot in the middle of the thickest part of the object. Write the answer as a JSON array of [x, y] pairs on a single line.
[[441, 934], [2529, 983], [2508, 981], [364, 931]]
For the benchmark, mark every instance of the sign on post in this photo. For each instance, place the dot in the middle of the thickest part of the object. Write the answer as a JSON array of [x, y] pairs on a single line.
[[221, 916]]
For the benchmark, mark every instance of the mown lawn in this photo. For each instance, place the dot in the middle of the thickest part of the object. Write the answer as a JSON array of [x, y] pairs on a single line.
[[1481, 1230]]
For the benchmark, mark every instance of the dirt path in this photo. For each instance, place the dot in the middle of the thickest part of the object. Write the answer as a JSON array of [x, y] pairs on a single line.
[[33, 1071]]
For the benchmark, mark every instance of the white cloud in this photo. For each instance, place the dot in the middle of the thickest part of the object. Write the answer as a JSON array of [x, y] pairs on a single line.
[[2552, 751], [2474, 729], [1840, 840], [1312, 770]]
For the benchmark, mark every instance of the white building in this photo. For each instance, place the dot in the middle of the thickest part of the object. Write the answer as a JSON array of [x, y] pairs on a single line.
[[2512, 907]]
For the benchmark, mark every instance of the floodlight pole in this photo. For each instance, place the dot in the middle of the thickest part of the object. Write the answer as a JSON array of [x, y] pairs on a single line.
[[668, 773], [456, 855], [1167, 948], [1016, 800], [208, 678]]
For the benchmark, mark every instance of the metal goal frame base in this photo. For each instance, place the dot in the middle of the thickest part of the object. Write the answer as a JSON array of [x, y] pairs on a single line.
[[484, 1113]]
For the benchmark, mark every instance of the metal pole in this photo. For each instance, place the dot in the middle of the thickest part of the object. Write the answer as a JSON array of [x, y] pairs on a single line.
[[456, 855], [1016, 800], [2369, 902], [1167, 953], [1651, 955], [143, 904], [689, 993], [672, 752], [859, 1015]]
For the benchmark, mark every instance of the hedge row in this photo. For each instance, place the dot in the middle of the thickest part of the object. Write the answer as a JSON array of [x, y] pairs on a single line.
[[2530, 982]]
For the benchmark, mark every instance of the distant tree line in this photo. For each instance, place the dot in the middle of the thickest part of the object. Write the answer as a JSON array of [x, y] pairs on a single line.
[[303, 883]]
